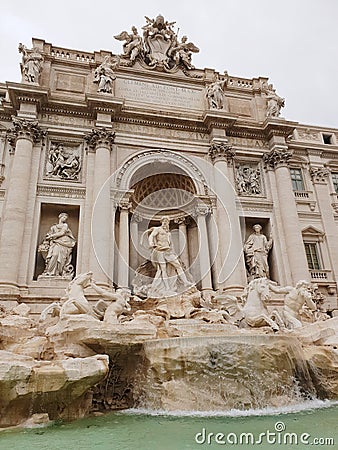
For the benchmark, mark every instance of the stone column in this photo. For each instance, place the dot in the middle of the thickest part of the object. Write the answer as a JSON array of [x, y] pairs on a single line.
[[24, 134], [100, 141], [215, 257], [232, 275], [123, 253], [183, 240], [278, 159], [319, 177], [134, 235], [201, 211]]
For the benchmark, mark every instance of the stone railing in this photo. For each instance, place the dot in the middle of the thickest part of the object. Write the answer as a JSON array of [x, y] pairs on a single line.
[[320, 275], [61, 53], [239, 83], [302, 194]]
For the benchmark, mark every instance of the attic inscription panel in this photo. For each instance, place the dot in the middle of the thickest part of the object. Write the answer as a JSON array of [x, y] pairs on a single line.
[[159, 94]]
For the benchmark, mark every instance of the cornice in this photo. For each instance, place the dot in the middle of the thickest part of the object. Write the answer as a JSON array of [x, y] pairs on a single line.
[[27, 93], [61, 191], [65, 111], [278, 127], [160, 124]]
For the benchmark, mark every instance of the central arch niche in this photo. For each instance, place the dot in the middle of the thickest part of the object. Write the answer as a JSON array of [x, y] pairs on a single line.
[[151, 185], [164, 191]]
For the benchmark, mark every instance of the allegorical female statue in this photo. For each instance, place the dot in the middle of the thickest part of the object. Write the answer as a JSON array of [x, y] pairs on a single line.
[[256, 250], [57, 249]]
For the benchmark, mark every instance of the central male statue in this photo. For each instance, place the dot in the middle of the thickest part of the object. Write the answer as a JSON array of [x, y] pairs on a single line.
[[163, 256]]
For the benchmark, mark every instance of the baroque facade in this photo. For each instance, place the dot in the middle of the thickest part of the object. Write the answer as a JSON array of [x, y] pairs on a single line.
[[95, 148]]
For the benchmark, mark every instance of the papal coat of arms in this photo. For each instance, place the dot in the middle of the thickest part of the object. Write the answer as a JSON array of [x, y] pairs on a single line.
[[159, 47]]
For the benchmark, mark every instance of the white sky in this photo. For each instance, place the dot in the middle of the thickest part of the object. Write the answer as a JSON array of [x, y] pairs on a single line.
[[293, 42]]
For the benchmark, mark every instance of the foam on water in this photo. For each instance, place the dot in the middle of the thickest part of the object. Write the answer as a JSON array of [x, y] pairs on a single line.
[[269, 411]]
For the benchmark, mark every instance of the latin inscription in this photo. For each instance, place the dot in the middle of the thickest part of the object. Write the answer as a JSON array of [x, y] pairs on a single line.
[[159, 94]]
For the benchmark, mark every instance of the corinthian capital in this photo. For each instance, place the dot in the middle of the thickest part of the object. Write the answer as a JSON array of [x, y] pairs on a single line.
[[221, 151], [319, 174], [100, 137], [276, 158], [25, 129]]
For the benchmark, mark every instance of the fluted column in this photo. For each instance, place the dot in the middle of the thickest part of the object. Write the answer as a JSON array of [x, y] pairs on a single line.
[[201, 212], [278, 160], [24, 134], [123, 253], [100, 141], [183, 240], [230, 246], [319, 177], [134, 235], [215, 257]]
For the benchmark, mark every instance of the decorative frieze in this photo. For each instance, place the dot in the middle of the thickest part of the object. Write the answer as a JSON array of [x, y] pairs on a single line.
[[276, 158], [100, 138], [60, 191], [221, 151]]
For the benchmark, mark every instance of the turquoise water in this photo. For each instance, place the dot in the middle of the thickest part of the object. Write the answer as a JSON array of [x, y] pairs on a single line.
[[144, 431]]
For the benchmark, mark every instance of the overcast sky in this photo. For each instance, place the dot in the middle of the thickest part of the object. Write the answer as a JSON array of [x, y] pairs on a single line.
[[293, 42]]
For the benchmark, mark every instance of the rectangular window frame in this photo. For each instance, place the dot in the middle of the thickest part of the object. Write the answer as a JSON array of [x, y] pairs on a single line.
[[313, 255], [334, 178], [298, 184]]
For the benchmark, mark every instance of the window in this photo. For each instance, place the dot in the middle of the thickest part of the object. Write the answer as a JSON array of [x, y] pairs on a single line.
[[335, 181], [312, 255], [327, 139], [297, 179]]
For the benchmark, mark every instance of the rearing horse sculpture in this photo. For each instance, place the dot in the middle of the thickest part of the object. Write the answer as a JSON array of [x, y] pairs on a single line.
[[255, 312]]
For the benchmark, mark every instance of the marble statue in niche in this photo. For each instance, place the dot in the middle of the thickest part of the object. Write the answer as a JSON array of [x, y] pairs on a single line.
[[256, 250], [165, 271], [56, 249]]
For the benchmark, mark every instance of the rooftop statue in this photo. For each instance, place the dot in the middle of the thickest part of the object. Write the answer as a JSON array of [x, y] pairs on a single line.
[[133, 45], [104, 75], [31, 65], [274, 102], [215, 94], [158, 48]]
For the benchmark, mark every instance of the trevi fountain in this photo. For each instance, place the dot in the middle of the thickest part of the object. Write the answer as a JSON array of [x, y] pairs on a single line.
[[159, 273]]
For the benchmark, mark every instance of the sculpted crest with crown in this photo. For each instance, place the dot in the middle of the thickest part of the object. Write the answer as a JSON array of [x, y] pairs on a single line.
[[158, 48]]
